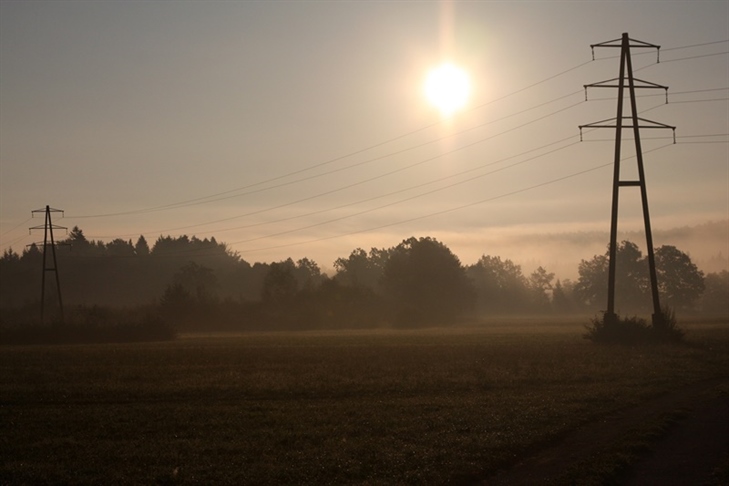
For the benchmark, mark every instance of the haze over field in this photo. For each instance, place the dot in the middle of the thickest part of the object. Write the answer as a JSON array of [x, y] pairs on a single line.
[[300, 129]]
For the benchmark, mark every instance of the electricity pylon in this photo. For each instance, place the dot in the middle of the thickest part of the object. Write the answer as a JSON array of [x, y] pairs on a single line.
[[48, 228], [636, 123]]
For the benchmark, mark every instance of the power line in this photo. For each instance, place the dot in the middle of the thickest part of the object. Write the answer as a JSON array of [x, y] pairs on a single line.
[[446, 211], [15, 227], [673, 93], [399, 191], [214, 198], [677, 48], [699, 142], [700, 101], [417, 218], [413, 187], [392, 172], [209, 198], [678, 138], [681, 59], [695, 57], [440, 179], [16, 240], [330, 161], [399, 152], [402, 136], [417, 196], [696, 45]]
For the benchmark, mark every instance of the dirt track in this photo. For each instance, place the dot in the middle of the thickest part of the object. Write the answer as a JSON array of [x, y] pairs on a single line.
[[690, 452]]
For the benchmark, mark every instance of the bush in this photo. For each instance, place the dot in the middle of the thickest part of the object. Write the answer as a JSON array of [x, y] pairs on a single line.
[[612, 329], [665, 327]]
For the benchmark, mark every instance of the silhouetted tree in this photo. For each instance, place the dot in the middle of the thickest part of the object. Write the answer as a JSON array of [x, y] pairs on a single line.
[[500, 285], [592, 284], [336, 306], [308, 274], [177, 302], [141, 248], [12, 279], [10, 257], [119, 247], [631, 280], [361, 269], [562, 299], [249, 280], [680, 282], [715, 300], [198, 281], [426, 282], [32, 256], [540, 286], [280, 285], [77, 240]]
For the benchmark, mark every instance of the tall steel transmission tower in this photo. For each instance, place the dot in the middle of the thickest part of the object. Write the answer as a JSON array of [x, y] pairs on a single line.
[[48, 228], [636, 123]]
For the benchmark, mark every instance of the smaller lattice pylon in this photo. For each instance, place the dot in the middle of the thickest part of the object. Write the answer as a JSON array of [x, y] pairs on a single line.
[[48, 241]]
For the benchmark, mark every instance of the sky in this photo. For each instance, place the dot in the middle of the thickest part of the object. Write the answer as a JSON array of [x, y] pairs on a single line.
[[300, 128]]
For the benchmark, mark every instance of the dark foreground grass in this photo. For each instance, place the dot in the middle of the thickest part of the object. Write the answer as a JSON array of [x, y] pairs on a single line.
[[86, 325], [420, 407], [607, 466]]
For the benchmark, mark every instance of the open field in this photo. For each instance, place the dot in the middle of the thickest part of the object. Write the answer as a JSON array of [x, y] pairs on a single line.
[[370, 407]]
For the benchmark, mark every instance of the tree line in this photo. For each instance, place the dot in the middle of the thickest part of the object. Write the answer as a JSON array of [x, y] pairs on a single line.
[[202, 284]]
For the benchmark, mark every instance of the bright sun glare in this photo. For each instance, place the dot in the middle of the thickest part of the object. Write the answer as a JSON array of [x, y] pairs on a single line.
[[447, 87]]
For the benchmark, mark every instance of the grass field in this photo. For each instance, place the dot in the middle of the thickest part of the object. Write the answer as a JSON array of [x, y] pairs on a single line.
[[369, 407]]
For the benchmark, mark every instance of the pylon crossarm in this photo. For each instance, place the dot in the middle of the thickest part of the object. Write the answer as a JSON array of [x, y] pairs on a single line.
[[604, 44], [619, 43], [655, 123], [54, 226], [608, 43], [601, 124], [645, 85], [44, 210], [600, 85], [649, 84], [641, 44], [597, 124], [632, 43]]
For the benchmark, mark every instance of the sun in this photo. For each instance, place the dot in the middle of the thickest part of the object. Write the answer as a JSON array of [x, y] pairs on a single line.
[[447, 87]]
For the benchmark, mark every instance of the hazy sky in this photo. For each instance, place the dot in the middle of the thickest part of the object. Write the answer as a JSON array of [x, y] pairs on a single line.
[[300, 128]]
